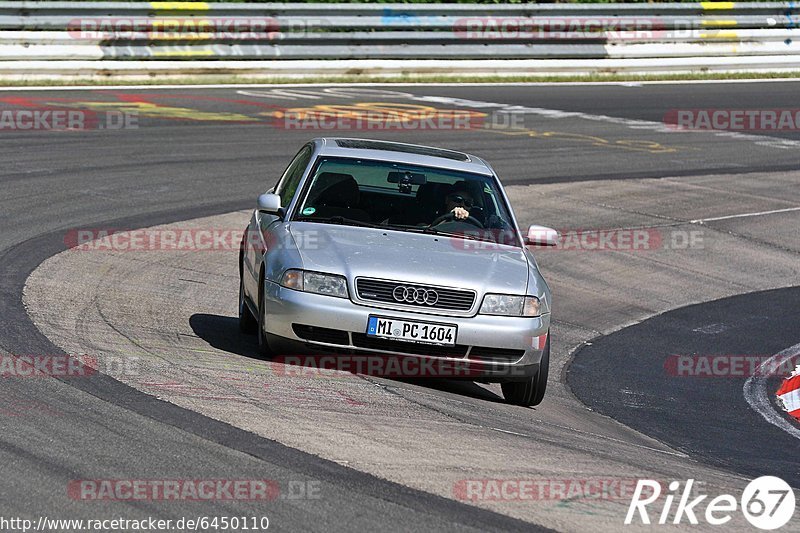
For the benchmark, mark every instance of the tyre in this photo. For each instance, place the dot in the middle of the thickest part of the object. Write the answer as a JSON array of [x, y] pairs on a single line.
[[530, 392], [247, 322], [263, 344]]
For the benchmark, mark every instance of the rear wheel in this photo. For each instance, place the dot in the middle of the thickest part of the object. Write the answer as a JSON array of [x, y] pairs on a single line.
[[531, 391], [247, 322], [263, 345]]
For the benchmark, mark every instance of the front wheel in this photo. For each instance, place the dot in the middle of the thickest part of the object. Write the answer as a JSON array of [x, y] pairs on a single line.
[[530, 392]]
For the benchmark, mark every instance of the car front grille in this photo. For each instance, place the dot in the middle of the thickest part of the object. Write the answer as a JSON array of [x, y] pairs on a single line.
[[384, 291]]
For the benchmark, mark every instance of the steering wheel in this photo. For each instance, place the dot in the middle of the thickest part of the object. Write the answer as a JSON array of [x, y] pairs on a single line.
[[452, 216]]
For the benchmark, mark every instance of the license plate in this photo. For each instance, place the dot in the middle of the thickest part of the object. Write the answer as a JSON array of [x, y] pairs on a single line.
[[413, 331]]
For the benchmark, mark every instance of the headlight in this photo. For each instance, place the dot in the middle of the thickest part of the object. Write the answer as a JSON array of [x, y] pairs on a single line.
[[327, 284], [508, 305], [316, 282]]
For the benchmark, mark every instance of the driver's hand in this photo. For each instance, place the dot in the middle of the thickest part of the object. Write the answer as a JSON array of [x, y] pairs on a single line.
[[460, 213]]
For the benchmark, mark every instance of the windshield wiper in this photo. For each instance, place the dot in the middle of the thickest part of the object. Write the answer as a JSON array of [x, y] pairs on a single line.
[[343, 221], [434, 231], [400, 227]]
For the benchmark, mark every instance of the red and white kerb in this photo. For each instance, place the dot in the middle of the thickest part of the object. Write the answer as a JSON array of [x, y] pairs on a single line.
[[537, 343], [789, 394]]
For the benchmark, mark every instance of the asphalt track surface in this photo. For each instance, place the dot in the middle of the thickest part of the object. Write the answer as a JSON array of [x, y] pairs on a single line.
[[171, 169], [636, 385]]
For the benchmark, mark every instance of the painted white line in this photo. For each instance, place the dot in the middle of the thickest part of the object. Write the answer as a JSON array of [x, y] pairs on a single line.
[[634, 124], [325, 92], [744, 215], [756, 394], [389, 83], [510, 432]]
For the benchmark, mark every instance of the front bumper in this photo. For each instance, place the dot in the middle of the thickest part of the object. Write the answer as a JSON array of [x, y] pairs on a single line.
[[497, 348]]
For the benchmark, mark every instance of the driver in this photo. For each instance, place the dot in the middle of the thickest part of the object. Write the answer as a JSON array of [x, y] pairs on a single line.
[[458, 202]]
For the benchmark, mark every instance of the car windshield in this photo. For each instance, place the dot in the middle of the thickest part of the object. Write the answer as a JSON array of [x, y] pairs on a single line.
[[402, 197]]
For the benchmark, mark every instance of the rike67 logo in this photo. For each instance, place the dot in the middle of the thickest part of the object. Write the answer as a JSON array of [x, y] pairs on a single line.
[[767, 502]]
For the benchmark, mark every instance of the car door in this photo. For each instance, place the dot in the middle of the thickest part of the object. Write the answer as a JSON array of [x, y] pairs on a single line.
[[258, 233]]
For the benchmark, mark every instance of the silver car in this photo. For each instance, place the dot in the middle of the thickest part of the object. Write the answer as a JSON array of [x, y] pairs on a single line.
[[387, 250]]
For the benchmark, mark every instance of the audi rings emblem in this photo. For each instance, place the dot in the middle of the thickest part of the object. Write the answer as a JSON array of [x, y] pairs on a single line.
[[415, 295]]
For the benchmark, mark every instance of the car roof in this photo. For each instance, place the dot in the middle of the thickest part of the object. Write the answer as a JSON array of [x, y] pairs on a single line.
[[413, 154]]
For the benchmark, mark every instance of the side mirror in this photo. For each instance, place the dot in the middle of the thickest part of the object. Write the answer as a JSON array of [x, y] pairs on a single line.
[[270, 203], [541, 236]]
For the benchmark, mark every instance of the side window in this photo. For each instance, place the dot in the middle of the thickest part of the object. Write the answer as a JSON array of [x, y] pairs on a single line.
[[291, 177]]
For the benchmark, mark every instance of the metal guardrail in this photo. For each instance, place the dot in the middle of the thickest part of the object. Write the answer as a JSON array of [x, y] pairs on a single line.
[[226, 36]]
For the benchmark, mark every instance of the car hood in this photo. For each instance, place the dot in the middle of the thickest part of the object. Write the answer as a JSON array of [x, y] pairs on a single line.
[[411, 257]]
